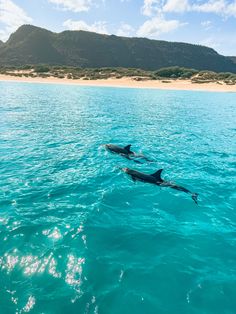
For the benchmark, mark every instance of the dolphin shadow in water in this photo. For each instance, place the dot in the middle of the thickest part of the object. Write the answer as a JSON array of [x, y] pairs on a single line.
[[156, 179], [126, 153]]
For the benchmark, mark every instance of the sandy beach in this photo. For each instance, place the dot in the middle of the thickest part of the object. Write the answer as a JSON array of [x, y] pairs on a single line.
[[128, 83]]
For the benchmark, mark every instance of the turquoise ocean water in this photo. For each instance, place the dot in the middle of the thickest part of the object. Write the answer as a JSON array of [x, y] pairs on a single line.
[[78, 236]]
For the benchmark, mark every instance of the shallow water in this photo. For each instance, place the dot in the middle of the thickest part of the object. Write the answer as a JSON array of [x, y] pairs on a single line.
[[78, 236]]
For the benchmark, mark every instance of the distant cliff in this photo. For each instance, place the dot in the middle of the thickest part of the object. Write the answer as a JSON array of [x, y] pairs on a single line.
[[34, 45]]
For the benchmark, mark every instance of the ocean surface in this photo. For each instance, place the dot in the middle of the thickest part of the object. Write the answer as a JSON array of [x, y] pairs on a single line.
[[78, 236]]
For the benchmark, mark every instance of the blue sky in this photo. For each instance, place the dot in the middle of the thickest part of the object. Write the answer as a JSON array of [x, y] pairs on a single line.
[[206, 22]]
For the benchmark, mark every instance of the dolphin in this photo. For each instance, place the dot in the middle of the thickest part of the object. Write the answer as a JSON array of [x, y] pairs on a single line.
[[125, 152], [119, 150], [156, 179]]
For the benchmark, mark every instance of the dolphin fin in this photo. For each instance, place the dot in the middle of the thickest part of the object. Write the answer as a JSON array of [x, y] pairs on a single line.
[[157, 175], [127, 148]]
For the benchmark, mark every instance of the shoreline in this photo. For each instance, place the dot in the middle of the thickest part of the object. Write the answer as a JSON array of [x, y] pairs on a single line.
[[127, 82]]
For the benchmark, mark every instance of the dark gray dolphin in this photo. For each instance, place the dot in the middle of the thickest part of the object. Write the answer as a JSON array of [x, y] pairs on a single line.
[[125, 152], [120, 150], [156, 179]]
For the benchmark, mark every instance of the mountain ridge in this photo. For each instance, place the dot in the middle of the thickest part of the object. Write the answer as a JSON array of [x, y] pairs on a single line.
[[35, 45]]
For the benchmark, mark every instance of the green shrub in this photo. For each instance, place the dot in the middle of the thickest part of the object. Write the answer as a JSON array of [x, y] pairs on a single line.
[[41, 69], [175, 72]]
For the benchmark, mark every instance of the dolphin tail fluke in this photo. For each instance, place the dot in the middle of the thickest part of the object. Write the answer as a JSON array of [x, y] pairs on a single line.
[[149, 160], [137, 161], [194, 197], [146, 159]]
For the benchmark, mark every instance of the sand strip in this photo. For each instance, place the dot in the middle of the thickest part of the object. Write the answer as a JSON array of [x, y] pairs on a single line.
[[128, 83]]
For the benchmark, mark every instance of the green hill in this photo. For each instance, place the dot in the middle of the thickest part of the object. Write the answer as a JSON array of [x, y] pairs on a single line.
[[34, 45], [233, 59]]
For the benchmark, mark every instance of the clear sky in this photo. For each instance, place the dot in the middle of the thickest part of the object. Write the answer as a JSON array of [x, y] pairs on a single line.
[[206, 22]]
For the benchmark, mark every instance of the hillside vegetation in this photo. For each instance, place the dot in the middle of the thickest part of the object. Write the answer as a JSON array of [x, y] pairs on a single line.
[[233, 59], [33, 45]]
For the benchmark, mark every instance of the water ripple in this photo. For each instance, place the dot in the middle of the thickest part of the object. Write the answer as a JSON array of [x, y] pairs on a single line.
[[78, 236]]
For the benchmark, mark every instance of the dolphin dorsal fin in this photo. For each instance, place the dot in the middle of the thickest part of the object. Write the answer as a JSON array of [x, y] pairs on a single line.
[[157, 174], [127, 148]]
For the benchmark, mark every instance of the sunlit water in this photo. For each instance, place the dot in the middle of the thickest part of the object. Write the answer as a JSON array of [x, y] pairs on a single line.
[[78, 236]]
